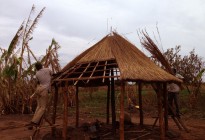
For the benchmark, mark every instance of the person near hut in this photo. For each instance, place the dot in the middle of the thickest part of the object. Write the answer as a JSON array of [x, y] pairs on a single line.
[[173, 95], [43, 77]]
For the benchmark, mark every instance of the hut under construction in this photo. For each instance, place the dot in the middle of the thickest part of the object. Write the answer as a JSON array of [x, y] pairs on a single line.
[[114, 58]]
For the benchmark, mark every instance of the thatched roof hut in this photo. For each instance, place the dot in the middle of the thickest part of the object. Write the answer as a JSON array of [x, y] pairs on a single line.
[[113, 52], [113, 58]]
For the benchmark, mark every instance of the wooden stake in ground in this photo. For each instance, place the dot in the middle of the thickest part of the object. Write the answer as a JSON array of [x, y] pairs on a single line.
[[108, 104], [140, 103], [165, 99], [65, 118], [160, 113], [113, 101], [122, 137], [77, 107], [54, 109]]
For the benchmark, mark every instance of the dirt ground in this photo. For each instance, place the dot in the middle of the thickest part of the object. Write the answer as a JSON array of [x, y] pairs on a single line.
[[12, 127]]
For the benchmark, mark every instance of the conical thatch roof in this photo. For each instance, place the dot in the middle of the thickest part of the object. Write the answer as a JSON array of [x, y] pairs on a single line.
[[113, 53]]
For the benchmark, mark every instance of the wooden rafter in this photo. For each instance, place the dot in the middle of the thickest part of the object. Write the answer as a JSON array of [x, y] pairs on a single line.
[[110, 64], [67, 73], [93, 71], [86, 78], [81, 74], [85, 72], [104, 71]]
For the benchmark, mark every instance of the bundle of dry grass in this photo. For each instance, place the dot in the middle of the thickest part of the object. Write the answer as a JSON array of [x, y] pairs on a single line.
[[149, 45]]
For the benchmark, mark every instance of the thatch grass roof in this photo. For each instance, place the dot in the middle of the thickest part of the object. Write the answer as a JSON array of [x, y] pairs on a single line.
[[114, 52]]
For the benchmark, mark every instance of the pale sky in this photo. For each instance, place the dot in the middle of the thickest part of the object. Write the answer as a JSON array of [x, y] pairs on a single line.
[[78, 24]]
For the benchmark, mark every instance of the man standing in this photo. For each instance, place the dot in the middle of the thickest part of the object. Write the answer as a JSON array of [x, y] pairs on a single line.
[[173, 95], [43, 76]]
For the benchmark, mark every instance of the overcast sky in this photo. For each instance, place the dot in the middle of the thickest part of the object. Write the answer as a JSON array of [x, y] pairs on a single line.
[[78, 24]]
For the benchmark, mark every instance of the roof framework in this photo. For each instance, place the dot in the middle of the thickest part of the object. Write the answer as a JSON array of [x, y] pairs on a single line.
[[90, 74]]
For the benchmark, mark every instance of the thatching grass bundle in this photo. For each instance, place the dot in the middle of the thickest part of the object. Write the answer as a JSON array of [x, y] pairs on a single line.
[[149, 45]]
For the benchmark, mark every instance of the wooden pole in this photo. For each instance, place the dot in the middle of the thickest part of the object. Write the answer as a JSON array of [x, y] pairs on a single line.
[[160, 112], [77, 107], [113, 101], [165, 105], [54, 110], [65, 118], [122, 137], [108, 104], [140, 103]]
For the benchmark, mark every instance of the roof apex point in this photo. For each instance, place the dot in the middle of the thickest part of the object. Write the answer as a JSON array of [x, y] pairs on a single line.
[[111, 33]]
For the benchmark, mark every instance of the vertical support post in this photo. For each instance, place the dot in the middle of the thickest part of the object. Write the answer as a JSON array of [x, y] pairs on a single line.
[[165, 105], [113, 100], [140, 103], [108, 104], [160, 112], [65, 116], [122, 137], [55, 100], [77, 107]]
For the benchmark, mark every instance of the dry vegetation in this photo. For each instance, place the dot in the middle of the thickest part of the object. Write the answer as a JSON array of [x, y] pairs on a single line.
[[17, 81], [191, 66]]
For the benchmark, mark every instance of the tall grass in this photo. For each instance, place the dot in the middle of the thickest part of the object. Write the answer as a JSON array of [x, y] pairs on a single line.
[[17, 71], [96, 106]]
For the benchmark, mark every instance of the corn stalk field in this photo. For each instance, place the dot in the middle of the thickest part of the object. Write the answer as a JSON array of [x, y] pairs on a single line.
[[17, 73]]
